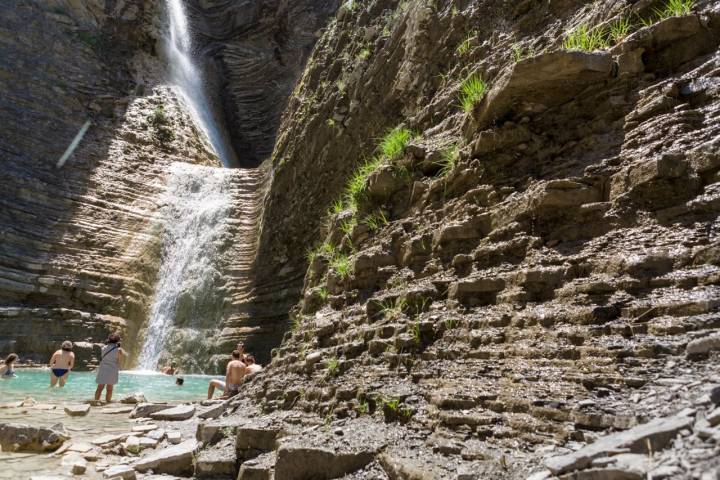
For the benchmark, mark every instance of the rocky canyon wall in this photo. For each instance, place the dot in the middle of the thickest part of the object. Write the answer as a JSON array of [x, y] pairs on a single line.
[[502, 283]]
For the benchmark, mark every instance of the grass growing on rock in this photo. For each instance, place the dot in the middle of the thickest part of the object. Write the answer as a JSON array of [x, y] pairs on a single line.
[[450, 157], [376, 221], [583, 39], [342, 265], [472, 90], [619, 30], [675, 8]]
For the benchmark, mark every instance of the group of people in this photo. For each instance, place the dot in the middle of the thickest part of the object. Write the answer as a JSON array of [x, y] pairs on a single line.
[[240, 367]]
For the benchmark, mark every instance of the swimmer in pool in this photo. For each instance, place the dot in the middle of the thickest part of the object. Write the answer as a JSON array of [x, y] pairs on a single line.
[[7, 371], [61, 363]]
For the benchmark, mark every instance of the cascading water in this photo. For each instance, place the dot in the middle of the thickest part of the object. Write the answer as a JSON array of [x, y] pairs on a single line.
[[187, 76], [195, 218]]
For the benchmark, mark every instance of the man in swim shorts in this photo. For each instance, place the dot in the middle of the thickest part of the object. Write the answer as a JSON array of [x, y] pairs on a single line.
[[236, 371], [61, 363]]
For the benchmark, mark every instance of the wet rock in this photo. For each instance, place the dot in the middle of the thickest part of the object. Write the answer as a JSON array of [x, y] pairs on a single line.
[[181, 412], [175, 460], [77, 410], [24, 438], [655, 435]]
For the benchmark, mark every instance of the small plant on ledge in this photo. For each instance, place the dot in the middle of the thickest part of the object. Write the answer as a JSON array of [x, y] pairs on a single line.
[[472, 90]]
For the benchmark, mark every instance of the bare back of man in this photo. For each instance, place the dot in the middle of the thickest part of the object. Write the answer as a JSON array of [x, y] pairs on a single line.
[[61, 363]]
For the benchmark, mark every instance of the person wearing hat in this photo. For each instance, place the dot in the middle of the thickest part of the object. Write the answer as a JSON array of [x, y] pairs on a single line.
[[61, 363]]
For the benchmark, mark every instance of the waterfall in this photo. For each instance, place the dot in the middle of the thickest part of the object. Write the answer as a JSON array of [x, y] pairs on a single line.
[[195, 218], [187, 76]]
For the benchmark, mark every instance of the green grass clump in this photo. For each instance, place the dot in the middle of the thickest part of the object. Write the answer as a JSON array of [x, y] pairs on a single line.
[[392, 146], [583, 39], [392, 309], [416, 333], [465, 45], [519, 53], [619, 30], [347, 226], [333, 366], [392, 404], [158, 116], [376, 221], [449, 160], [342, 265], [472, 90], [364, 54], [323, 293], [675, 8]]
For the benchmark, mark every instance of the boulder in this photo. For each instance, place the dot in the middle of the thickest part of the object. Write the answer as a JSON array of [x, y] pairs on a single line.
[[120, 471], [175, 460], [79, 467], [217, 461], [134, 398], [174, 437], [181, 412], [77, 410], [653, 435], [24, 438], [146, 409], [296, 460], [703, 346], [259, 468], [213, 411], [537, 83]]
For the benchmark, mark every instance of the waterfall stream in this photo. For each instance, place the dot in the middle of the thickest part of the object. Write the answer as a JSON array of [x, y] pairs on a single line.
[[195, 219], [185, 73]]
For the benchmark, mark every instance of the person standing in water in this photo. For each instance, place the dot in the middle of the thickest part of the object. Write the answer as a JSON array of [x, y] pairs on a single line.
[[61, 363], [7, 371], [109, 369]]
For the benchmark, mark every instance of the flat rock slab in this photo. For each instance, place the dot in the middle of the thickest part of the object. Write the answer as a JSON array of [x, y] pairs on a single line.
[[181, 412], [77, 410], [125, 472], [144, 428], [117, 410], [655, 434], [19, 438], [217, 461], [176, 460], [213, 411], [110, 439], [145, 409], [259, 468]]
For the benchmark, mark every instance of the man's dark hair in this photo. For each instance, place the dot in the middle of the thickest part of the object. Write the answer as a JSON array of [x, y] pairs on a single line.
[[236, 354], [113, 338], [179, 381]]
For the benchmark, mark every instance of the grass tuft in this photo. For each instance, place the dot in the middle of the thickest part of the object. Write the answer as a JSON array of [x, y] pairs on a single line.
[[392, 146], [472, 90], [619, 30], [376, 221], [583, 39], [342, 265], [449, 160], [675, 8]]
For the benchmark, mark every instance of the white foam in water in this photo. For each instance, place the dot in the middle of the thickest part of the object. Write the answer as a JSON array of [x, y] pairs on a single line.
[[195, 221], [186, 75]]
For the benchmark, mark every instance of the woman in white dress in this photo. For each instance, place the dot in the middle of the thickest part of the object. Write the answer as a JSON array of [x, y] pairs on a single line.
[[107, 373]]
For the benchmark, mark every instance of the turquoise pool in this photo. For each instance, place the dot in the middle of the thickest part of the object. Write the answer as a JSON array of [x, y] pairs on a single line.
[[81, 386]]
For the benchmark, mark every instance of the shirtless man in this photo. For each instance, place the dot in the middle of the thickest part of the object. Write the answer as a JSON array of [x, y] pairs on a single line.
[[252, 367], [170, 369], [234, 374], [61, 363]]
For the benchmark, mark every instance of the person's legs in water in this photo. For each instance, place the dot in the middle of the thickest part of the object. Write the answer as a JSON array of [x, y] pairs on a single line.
[[108, 393], [98, 392], [53, 380], [219, 384], [63, 379]]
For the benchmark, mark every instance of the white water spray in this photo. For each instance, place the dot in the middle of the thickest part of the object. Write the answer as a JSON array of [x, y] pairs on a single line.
[[195, 220], [184, 73]]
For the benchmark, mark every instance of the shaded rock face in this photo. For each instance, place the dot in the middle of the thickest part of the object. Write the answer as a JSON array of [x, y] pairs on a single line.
[[82, 244], [255, 52]]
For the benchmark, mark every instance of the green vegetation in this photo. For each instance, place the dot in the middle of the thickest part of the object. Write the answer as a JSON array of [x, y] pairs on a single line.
[[295, 325], [450, 323], [342, 265], [160, 122], [376, 221], [472, 90], [619, 30], [394, 142], [333, 366], [449, 160], [347, 226], [364, 54], [465, 45], [519, 53], [323, 293], [416, 333], [326, 250], [392, 404], [675, 8], [392, 309], [363, 408], [583, 39]]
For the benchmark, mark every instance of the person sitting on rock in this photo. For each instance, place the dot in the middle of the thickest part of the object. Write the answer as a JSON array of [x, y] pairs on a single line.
[[7, 371], [252, 367], [236, 371], [170, 369], [61, 363], [241, 348]]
